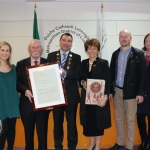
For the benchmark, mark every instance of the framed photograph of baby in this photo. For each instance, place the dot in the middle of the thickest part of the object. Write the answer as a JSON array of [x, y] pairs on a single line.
[[1, 127]]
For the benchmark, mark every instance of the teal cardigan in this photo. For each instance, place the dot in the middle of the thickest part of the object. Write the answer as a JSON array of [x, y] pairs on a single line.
[[9, 98]]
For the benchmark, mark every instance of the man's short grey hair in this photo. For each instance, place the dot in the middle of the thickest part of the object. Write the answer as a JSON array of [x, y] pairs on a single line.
[[35, 40]]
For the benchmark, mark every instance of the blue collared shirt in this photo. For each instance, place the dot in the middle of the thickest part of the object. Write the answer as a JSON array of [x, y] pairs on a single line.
[[62, 56], [122, 63]]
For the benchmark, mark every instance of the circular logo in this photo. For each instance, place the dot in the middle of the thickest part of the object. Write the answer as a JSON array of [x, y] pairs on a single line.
[[95, 87]]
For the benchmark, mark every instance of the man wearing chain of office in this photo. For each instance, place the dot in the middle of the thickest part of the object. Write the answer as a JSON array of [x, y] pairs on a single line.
[[71, 72]]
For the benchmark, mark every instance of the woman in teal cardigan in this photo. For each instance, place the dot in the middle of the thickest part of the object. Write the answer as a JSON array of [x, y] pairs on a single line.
[[9, 98]]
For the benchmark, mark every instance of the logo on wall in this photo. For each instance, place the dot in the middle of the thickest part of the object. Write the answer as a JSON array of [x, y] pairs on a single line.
[[58, 30]]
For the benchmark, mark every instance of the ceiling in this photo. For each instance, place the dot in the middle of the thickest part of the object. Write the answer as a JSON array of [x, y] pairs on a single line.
[[136, 1]]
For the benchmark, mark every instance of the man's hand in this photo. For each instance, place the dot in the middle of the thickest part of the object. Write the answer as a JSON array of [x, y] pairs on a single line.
[[29, 95], [63, 71], [49, 108], [139, 99]]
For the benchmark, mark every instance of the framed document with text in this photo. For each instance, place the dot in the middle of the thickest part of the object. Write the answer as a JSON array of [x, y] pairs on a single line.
[[95, 91], [46, 86]]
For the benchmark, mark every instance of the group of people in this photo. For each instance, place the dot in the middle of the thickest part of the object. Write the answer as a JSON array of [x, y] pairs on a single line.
[[126, 82]]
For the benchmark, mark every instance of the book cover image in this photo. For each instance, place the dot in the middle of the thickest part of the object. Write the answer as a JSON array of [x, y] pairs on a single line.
[[95, 91]]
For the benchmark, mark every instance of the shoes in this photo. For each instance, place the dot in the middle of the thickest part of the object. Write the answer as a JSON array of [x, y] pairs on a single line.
[[147, 147], [116, 147], [142, 146], [93, 147]]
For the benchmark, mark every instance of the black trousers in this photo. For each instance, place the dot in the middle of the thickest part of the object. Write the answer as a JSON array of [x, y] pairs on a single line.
[[144, 128], [8, 133], [40, 119], [72, 136]]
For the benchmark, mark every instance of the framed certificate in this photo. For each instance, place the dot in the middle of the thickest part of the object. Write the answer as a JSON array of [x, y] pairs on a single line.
[[95, 91], [46, 86]]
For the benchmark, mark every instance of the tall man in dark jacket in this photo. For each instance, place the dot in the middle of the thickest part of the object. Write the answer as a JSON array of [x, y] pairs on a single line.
[[29, 117], [128, 74], [71, 72]]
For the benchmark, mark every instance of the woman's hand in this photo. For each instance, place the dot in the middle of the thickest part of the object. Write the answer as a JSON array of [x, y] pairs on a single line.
[[83, 83], [103, 101], [110, 97]]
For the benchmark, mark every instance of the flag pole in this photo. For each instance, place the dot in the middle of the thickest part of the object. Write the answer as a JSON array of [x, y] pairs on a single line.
[[35, 25], [35, 6], [102, 6], [104, 50]]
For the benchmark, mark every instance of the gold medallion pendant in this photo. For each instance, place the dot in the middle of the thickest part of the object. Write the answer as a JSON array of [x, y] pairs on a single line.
[[70, 59], [58, 56], [69, 62]]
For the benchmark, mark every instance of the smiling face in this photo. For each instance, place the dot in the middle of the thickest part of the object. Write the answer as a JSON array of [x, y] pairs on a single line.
[[92, 52], [147, 43], [65, 43], [125, 39], [35, 49], [92, 47], [4, 53]]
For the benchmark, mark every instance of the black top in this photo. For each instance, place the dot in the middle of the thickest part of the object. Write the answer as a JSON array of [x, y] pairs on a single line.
[[91, 129], [99, 70], [144, 107]]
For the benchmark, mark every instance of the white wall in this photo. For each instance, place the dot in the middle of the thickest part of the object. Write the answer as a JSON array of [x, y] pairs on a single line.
[[16, 23]]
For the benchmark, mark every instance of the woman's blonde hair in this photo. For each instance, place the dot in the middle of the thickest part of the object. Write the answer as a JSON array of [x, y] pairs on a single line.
[[6, 43]]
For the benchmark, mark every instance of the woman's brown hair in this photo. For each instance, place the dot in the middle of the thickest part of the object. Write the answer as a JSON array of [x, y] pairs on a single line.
[[92, 42], [144, 48]]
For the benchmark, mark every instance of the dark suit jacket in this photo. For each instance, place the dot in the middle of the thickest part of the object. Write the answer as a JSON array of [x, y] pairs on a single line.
[[73, 74], [143, 108], [135, 73], [22, 85], [100, 70]]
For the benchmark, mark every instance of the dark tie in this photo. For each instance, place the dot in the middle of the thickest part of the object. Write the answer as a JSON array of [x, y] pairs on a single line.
[[35, 62], [64, 59]]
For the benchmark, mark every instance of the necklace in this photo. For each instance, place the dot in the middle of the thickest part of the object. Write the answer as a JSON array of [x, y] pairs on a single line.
[[147, 53], [90, 62]]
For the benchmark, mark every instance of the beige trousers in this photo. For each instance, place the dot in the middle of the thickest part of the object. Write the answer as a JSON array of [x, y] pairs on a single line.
[[125, 112]]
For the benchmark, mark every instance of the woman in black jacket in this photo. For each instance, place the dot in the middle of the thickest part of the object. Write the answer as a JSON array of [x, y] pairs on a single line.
[[143, 109], [95, 118]]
